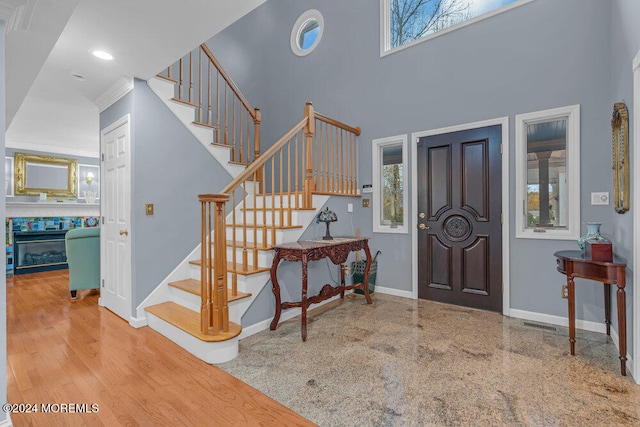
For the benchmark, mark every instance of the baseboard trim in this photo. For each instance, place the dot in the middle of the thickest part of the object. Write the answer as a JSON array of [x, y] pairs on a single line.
[[7, 422], [557, 320], [394, 292], [138, 322]]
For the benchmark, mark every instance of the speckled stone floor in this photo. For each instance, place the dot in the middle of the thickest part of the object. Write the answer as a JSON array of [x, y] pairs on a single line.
[[406, 362]]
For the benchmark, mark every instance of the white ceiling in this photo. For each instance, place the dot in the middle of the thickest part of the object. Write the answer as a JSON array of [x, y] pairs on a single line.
[[50, 110]]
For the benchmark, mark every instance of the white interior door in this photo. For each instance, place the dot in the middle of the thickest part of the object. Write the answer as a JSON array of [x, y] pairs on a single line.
[[115, 243]]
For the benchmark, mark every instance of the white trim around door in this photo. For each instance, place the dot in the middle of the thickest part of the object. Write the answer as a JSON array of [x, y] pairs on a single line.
[[636, 215], [504, 122]]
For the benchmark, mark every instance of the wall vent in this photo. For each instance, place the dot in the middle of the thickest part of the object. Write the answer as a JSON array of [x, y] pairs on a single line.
[[539, 326]]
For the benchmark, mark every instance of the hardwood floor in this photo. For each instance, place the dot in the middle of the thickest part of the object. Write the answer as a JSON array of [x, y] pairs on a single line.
[[73, 352]]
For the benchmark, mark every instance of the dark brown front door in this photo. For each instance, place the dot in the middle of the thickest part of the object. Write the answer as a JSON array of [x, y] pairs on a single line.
[[459, 225]]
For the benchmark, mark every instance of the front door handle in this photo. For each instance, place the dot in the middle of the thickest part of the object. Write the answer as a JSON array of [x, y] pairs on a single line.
[[423, 227], [125, 232]]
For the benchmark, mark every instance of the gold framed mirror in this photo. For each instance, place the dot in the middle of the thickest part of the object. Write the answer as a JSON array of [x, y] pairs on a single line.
[[35, 174], [620, 142]]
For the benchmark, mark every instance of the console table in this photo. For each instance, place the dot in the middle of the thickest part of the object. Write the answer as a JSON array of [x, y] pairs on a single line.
[[337, 251], [576, 264]]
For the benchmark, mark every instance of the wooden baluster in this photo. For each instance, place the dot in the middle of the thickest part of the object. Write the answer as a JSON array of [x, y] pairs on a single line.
[[200, 86], [209, 93], [191, 77], [234, 228], [273, 201], [309, 131], [226, 120], [180, 83], [289, 207], [218, 125], [354, 158], [255, 220], [297, 179], [169, 71], [233, 129], [281, 215], [245, 261]]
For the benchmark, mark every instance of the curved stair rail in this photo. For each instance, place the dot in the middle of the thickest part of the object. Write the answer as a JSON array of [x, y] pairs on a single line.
[[203, 83], [317, 155]]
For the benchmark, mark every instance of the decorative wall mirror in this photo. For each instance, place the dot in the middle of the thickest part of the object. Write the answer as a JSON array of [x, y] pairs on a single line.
[[55, 176], [620, 142]]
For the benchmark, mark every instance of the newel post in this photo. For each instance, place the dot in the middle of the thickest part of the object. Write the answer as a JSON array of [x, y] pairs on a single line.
[[309, 130], [214, 309]]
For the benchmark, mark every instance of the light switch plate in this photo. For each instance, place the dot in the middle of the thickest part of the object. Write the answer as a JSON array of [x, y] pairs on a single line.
[[148, 209], [600, 198]]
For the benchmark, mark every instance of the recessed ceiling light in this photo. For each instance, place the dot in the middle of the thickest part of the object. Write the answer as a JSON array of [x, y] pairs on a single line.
[[102, 55]]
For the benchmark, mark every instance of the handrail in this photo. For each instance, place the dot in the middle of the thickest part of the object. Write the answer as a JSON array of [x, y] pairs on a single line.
[[317, 155], [255, 166], [338, 124], [228, 79]]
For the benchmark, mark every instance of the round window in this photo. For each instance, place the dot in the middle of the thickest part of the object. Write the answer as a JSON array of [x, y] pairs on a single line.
[[307, 32]]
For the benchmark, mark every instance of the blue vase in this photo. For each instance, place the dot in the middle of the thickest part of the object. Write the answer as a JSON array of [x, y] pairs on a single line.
[[593, 233]]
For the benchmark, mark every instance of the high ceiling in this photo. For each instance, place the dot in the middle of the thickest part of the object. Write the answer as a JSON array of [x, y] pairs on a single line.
[[48, 109]]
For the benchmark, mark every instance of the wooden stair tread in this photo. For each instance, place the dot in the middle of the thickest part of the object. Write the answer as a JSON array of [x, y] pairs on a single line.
[[169, 79], [181, 101], [231, 269], [192, 286], [277, 209], [206, 125], [222, 145], [189, 321], [237, 163], [277, 227]]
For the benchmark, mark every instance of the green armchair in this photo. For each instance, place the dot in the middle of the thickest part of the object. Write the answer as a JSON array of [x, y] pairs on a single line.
[[83, 257]]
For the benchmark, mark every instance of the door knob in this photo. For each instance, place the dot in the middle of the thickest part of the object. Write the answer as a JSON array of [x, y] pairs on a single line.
[[423, 227], [125, 232]]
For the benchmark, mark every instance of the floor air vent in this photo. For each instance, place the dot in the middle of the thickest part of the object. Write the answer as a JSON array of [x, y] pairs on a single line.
[[539, 326]]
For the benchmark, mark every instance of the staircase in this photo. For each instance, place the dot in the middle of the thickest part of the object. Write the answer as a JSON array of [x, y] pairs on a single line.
[[273, 195]]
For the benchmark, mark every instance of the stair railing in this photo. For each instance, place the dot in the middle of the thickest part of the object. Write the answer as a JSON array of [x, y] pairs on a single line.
[[203, 83], [317, 155]]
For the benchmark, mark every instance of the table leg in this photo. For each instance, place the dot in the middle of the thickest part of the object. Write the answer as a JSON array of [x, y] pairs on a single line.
[[275, 287], [366, 273], [622, 328], [303, 301], [342, 284], [572, 314], [607, 307]]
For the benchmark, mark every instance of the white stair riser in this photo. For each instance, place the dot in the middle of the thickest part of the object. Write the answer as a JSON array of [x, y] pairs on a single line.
[[192, 302], [264, 257], [210, 352], [245, 283], [275, 201]]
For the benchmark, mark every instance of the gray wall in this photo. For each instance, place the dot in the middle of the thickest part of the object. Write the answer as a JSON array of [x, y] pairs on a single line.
[[625, 45], [169, 169], [542, 55], [3, 280]]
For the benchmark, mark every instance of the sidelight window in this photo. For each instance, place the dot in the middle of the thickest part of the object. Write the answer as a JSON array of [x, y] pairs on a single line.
[[389, 185], [548, 173]]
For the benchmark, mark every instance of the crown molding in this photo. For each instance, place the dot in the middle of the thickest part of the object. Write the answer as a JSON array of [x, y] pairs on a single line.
[[17, 13], [120, 88], [44, 148]]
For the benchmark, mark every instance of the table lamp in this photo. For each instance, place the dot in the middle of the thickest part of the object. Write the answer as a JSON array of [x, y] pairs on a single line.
[[327, 217]]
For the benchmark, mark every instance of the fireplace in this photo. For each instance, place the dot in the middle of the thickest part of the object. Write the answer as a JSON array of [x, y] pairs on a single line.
[[39, 251]]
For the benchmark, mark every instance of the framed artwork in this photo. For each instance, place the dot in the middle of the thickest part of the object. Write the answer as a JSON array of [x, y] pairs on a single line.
[[620, 148]]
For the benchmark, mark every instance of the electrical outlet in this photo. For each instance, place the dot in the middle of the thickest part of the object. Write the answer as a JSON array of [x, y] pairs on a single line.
[[365, 203], [565, 292], [349, 207]]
